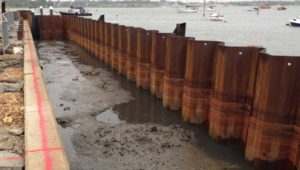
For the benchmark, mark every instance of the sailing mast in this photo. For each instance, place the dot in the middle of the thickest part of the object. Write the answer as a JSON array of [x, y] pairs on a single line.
[[204, 8]]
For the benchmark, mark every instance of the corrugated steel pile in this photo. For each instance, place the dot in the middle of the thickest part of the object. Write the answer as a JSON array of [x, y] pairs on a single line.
[[242, 93]]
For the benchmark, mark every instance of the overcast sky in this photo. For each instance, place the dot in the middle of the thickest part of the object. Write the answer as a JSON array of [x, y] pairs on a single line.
[[179, 0], [176, 0]]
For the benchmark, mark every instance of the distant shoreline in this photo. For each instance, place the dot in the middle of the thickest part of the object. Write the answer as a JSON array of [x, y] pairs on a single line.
[[143, 4]]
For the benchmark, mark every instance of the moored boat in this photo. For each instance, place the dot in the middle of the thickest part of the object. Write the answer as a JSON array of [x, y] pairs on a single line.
[[254, 9], [77, 11], [264, 6], [294, 22], [186, 10], [210, 8], [216, 17], [281, 8]]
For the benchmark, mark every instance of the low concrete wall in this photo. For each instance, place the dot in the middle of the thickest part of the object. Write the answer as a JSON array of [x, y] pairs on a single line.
[[43, 146]]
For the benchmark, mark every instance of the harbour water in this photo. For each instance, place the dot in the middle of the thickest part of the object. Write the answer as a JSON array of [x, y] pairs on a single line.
[[268, 29]]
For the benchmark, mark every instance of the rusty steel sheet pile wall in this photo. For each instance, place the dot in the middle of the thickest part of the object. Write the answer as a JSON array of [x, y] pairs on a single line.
[[122, 47], [74, 31], [78, 31], [198, 80], [68, 30], [232, 92], [82, 33], [66, 26], [244, 95], [93, 38], [114, 46], [107, 46], [102, 41], [50, 27], [86, 34], [27, 15], [95, 42], [273, 135], [98, 41], [143, 69], [174, 70], [158, 49], [89, 35], [131, 52]]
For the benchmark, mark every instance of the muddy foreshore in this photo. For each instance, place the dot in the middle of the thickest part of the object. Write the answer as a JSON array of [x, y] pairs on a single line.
[[108, 123]]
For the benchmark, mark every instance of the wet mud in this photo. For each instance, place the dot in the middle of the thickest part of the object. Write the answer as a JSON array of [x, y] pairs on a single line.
[[106, 122]]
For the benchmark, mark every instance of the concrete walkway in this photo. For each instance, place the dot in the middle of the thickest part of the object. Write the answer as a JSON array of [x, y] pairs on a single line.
[[43, 146]]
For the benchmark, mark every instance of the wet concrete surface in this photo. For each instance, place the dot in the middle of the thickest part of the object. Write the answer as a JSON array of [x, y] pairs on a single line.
[[106, 122]]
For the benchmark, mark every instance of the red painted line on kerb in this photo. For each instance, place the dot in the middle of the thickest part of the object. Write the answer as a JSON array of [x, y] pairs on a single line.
[[47, 157], [45, 150]]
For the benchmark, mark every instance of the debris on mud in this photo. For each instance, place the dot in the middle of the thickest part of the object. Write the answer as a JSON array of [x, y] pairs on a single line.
[[64, 121], [130, 146], [90, 73], [67, 108], [75, 78]]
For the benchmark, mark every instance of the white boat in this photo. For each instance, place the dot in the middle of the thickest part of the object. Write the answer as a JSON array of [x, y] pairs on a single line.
[[254, 9], [186, 10], [216, 17], [295, 22]]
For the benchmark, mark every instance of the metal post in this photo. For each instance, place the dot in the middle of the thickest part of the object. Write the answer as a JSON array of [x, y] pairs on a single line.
[[41, 10], [204, 3], [51, 10]]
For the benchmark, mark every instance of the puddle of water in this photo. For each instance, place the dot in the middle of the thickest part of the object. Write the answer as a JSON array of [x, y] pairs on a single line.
[[109, 116], [65, 63]]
